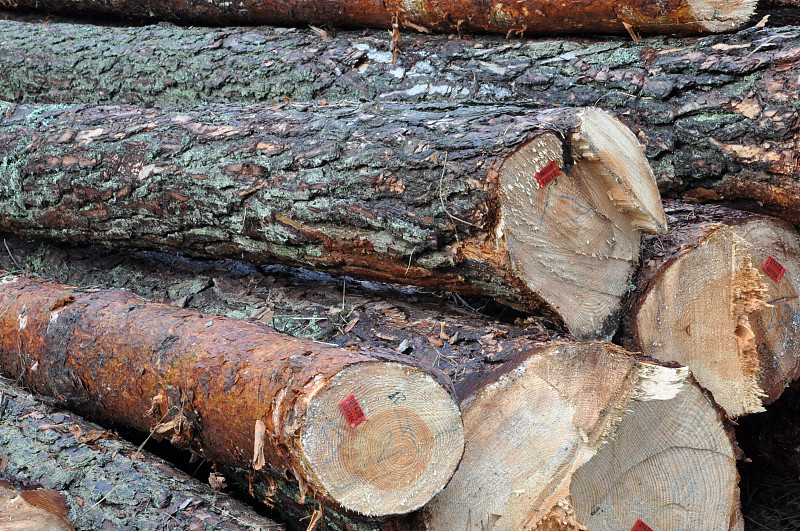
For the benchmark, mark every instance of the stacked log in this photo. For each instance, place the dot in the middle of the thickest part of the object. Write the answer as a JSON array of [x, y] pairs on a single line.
[[543, 16], [716, 296], [238, 394], [464, 199], [102, 480], [715, 114], [536, 206]]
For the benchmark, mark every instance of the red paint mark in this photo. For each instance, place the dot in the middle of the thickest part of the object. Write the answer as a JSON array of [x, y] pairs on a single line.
[[547, 174], [774, 269], [352, 411], [641, 526]]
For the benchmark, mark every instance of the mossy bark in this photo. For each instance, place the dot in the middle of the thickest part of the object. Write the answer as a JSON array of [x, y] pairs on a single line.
[[108, 482], [393, 192], [717, 115]]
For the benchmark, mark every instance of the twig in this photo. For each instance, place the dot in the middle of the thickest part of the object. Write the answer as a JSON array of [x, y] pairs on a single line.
[[441, 197], [409, 260], [11, 255]]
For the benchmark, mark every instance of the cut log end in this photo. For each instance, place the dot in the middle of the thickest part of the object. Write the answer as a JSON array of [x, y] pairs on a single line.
[[389, 448], [681, 475], [697, 313], [776, 326], [574, 238], [721, 15]]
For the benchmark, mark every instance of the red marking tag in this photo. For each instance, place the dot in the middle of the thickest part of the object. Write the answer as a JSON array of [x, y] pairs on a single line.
[[774, 269], [641, 526], [352, 411], [547, 174]]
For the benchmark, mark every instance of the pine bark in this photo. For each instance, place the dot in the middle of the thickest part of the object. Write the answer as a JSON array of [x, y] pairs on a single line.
[[235, 393], [107, 481], [508, 18], [438, 196], [716, 114], [704, 299]]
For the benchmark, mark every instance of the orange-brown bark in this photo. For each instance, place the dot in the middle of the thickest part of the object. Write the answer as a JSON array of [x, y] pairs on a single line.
[[505, 16], [208, 382]]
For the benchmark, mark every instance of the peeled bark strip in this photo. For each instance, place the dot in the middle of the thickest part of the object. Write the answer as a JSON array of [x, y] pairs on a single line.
[[438, 196], [532, 460], [236, 393], [775, 326], [698, 290], [64, 453], [716, 114], [506, 17]]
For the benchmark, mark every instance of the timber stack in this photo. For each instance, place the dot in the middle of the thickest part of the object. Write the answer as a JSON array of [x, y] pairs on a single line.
[[225, 173]]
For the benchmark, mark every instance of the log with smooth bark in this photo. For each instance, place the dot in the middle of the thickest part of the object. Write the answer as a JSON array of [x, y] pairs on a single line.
[[438, 196], [701, 299], [469, 346], [506, 17], [717, 115], [237, 393], [107, 482]]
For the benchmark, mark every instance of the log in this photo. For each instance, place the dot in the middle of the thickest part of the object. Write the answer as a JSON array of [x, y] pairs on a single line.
[[473, 350], [507, 18], [706, 300], [300, 407], [584, 436], [441, 196], [106, 482], [715, 114]]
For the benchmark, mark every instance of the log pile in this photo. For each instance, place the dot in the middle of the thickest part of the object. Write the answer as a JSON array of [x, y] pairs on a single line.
[[515, 192]]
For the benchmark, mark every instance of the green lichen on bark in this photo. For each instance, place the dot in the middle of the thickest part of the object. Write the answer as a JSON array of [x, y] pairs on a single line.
[[665, 89]]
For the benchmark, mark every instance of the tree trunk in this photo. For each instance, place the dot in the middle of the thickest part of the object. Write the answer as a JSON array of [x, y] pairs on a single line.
[[508, 18], [716, 114], [448, 197], [470, 348], [107, 482], [237, 393], [706, 300]]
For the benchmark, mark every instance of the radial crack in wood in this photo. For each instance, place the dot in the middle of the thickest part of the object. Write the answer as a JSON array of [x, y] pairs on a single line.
[[206, 381], [440, 196]]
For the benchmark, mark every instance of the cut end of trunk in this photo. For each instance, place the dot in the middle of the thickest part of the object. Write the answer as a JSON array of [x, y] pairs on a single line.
[[671, 464], [615, 155], [574, 238], [696, 312], [528, 431], [722, 15], [776, 325], [382, 438]]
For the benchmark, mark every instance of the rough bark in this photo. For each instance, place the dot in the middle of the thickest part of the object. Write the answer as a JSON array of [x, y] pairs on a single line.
[[506, 17], [717, 115], [107, 482], [702, 301], [237, 393], [438, 196], [474, 351]]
